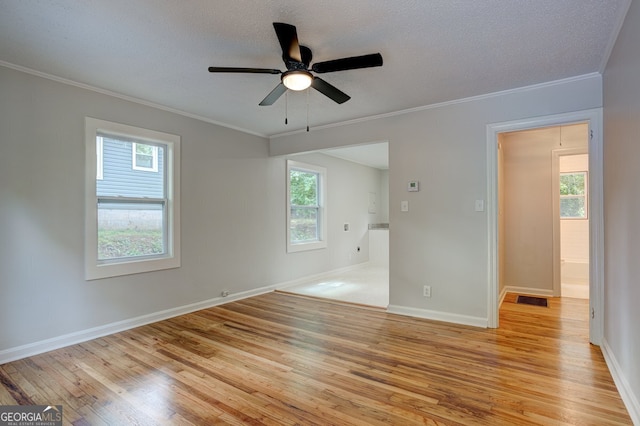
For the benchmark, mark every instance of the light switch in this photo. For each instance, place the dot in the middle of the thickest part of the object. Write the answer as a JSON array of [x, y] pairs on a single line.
[[404, 206], [479, 205]]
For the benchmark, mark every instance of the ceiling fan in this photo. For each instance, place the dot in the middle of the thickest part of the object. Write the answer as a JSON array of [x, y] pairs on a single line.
[[298, 75]]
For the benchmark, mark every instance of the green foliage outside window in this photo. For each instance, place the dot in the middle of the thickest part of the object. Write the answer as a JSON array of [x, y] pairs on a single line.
[[573, 191], [303, 187]]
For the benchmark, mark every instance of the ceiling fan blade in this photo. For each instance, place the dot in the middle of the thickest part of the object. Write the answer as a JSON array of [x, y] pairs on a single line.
[[330, 91], [306, 55], [274, 95], [245, 70], [352, 63], [288, 38]]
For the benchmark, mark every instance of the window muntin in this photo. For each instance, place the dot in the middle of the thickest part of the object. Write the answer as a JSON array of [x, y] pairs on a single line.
[[573, 195], [306, 228], [132, 215]]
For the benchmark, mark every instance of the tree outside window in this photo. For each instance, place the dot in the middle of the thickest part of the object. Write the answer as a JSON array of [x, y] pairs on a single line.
[[573, 195], [305, 207]]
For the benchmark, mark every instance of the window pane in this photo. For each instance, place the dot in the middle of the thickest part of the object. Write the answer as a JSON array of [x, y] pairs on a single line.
[[304, 225], [144, 149], [119, 179], [143, 160], [304, 188], [130, 230], [572, 183], [572, 207], [145, 157]]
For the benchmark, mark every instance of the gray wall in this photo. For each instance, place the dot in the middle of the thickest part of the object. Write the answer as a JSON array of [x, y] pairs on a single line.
[[622, 205], [442, 241], [233, 215]]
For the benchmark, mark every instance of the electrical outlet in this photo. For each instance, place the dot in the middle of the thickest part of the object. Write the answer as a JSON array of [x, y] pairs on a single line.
[[426, 291]]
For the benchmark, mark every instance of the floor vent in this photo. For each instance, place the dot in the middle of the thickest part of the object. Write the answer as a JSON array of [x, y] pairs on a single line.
[[530, 300]]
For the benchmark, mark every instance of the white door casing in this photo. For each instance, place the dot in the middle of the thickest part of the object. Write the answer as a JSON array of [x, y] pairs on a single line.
[[596, 225]]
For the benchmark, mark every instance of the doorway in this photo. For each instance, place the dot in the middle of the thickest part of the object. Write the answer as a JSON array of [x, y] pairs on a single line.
[[496, 286], [571, 218], [543, 211], [358, 191]]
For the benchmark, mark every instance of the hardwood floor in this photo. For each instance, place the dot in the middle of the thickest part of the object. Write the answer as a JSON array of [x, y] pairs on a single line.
[[285, 359]]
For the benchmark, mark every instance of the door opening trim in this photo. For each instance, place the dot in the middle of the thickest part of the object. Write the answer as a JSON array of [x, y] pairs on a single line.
[[596, 224]]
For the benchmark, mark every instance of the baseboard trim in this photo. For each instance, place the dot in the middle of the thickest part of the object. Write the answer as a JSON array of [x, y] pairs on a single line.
[[503, 294], [528, 290], [438, 316], [631, 401], [31, 349]]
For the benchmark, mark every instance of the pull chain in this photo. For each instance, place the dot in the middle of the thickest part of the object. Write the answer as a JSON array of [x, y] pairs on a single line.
[[286, 107], [560, 135], [308, 109]]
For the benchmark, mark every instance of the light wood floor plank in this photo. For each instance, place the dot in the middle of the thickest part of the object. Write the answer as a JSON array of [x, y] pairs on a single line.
[[281, 359]]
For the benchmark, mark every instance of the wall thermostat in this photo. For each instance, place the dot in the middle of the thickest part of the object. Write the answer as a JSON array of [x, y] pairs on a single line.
[[413, 186]]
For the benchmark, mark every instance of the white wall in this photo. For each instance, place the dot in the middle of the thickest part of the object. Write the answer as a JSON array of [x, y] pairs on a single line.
[[528, 218], [622, 210], [233, 216], [442, 241]]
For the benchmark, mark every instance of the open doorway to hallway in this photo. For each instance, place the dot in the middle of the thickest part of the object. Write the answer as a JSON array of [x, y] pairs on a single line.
[[543, 215], [496, 286]]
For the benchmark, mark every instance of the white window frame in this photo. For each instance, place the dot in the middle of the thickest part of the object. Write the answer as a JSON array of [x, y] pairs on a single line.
[[322, 207], [134, 159], [585, 196], [96, 269], [99, 158]]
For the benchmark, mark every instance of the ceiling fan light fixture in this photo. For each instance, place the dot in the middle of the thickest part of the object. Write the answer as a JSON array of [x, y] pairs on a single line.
[[297, 79]]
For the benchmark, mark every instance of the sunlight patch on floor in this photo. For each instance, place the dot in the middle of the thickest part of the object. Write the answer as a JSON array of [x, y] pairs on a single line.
[[367, 285]]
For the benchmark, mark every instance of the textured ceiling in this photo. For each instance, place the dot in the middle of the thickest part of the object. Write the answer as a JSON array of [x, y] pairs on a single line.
[[434, 51]]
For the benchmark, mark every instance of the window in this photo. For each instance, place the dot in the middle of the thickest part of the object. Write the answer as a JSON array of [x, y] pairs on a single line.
[[573, 195], [306, 226], [132, 201], [144, 157]]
